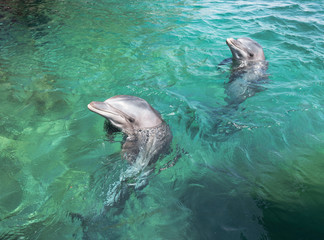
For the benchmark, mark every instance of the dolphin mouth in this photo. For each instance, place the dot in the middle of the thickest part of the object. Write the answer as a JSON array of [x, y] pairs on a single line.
[[110, 113], [232, 43], [101, 108], [106, 110], [97, 107]]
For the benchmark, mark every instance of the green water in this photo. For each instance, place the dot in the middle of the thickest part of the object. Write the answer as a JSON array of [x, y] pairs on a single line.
[[255, 173]]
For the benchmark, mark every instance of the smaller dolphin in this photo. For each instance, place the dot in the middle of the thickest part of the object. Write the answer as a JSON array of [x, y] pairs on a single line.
[[247, 73], [248, 69]]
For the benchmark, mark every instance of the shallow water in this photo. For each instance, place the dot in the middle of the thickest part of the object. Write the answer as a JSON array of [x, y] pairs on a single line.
[[255, 172]]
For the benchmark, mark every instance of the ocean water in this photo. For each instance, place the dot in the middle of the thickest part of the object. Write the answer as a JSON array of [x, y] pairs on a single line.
[[254, 172]]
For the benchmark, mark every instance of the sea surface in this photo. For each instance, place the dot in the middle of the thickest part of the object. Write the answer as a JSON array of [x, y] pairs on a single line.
[[251, 172]]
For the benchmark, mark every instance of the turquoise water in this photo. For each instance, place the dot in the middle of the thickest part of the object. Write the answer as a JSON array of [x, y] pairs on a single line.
[[252, 173]]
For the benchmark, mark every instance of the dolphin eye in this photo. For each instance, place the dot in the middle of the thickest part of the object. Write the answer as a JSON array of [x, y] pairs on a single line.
[[131, 120], [251, 54]]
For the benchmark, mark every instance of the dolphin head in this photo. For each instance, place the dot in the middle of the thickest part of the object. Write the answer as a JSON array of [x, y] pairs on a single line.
[[127, 113], [245, 49]]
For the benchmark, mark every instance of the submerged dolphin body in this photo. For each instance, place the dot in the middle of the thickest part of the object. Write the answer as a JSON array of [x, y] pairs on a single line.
[[248, 70], [147, 137]]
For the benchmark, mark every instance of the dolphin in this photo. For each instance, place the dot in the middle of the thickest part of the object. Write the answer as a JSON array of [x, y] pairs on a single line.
[[248, 70], [147, 137]]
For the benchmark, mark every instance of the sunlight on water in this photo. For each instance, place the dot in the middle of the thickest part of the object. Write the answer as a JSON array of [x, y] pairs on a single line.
[[251, 172]]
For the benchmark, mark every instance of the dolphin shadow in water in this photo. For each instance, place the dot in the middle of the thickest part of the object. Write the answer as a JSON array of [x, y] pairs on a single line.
[[147, 137]]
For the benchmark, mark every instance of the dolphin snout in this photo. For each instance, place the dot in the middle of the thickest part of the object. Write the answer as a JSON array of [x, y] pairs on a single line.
[[91, 105], [229, 41], [97, 106]]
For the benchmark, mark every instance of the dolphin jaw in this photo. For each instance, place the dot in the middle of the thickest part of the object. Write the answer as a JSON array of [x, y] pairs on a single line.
[[235, 49], [103, 109], [95, 107], [231, 42], [92, 108]]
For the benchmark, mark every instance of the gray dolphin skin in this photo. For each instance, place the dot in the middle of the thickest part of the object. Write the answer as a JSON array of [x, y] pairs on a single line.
[[248, 70], [148, 136]]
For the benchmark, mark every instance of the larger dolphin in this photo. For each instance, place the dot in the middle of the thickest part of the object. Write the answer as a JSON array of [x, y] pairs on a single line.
[[147, 136]]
